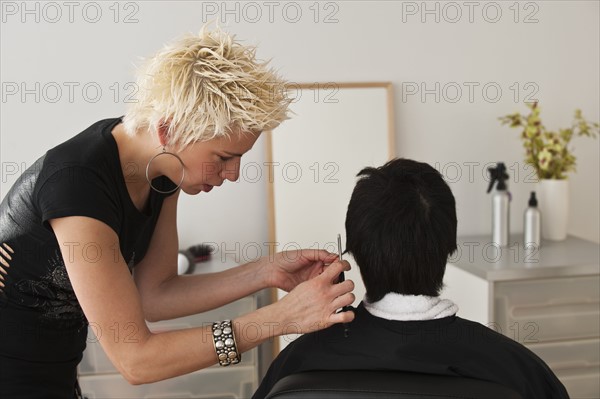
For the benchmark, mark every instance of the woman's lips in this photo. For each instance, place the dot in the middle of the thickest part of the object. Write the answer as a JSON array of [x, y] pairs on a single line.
[[207, 187]]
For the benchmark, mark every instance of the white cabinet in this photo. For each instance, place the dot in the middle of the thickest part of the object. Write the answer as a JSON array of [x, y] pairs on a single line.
[[547, 300]]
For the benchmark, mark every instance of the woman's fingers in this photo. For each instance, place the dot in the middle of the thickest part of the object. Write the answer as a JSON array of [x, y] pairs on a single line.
[[338, 290], [344, 300], [342, 317], [342, 288], [341, 293], [318, 254], [317, 300], [332, 272]]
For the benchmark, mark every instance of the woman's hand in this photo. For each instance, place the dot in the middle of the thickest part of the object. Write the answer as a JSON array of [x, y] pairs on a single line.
[[287, 269], [312, 305]]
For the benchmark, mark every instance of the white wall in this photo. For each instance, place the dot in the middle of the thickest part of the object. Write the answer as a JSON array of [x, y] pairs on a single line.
[[557, 56]]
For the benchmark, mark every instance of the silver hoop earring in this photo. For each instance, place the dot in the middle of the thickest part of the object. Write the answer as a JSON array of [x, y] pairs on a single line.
[[165, 152]]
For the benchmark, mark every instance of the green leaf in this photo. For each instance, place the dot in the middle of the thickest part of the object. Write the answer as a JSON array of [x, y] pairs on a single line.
[[547, 151]]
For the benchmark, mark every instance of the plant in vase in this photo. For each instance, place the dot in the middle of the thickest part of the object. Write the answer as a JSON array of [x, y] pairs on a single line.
[[549, 154]]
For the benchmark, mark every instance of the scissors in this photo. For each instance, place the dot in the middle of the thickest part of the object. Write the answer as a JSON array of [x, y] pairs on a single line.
[[341, 279]]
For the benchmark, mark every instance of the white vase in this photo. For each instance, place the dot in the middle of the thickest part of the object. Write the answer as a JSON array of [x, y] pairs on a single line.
[[553, 203]]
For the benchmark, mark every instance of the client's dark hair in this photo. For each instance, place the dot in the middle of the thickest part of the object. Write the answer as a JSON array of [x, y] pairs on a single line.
[[401, 228]]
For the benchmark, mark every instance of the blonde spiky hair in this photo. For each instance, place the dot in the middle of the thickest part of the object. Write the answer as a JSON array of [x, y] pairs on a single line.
[[205, 85]]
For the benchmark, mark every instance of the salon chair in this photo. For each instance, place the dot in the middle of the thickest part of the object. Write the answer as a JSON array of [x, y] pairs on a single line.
[[385, 384]]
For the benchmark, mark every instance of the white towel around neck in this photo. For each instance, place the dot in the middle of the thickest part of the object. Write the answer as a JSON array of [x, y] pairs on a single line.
[[395, 306]]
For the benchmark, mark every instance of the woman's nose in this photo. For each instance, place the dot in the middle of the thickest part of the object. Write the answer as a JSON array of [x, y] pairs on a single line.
[[231, 171]]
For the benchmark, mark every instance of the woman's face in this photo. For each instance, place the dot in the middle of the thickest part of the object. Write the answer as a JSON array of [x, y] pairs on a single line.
[[210, 163]]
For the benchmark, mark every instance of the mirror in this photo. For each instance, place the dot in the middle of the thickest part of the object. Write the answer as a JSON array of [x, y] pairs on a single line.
[[336, 130]]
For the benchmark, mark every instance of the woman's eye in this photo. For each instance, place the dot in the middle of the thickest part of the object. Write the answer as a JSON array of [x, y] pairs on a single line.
[[225, 159]]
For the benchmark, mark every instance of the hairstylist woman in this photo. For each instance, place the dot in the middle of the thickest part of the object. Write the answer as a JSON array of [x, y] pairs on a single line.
[[88, 234]]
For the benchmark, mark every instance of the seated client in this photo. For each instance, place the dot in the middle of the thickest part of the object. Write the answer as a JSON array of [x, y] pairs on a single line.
[[401, 229]]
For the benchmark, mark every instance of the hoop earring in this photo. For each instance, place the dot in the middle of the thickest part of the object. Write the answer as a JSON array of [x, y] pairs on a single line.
[[165, 152]]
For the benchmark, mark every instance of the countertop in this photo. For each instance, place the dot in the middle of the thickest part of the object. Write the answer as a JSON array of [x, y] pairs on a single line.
[[569, 258]]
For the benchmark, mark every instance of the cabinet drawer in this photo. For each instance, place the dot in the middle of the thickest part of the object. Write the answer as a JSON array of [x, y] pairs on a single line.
[[95, 360], [231, 382], [580, 383], [554, 309], [575, 363], [579, 354]]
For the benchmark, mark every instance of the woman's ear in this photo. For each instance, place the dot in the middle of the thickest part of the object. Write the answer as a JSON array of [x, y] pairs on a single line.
[[163, 132]]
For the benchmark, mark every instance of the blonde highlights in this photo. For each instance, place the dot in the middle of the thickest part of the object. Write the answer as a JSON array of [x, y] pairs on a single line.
[[204, 86]]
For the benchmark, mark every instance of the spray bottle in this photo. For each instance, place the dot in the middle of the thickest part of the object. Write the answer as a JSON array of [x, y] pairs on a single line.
[[500, 205], [532, 222]]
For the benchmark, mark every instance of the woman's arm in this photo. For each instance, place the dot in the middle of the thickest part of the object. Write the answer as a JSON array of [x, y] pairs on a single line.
[[167, 295], [109, 299]]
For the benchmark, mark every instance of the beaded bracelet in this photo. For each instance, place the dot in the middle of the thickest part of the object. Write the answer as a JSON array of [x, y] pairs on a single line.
[[225, 345]]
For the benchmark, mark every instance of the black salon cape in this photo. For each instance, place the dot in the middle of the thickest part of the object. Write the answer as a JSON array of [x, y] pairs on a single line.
[[447, 346]]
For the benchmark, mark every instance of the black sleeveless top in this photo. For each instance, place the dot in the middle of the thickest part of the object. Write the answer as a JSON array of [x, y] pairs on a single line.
[[43, 330]]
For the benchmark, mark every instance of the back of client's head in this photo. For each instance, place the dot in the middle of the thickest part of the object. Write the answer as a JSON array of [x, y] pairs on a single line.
[[401, 228]]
